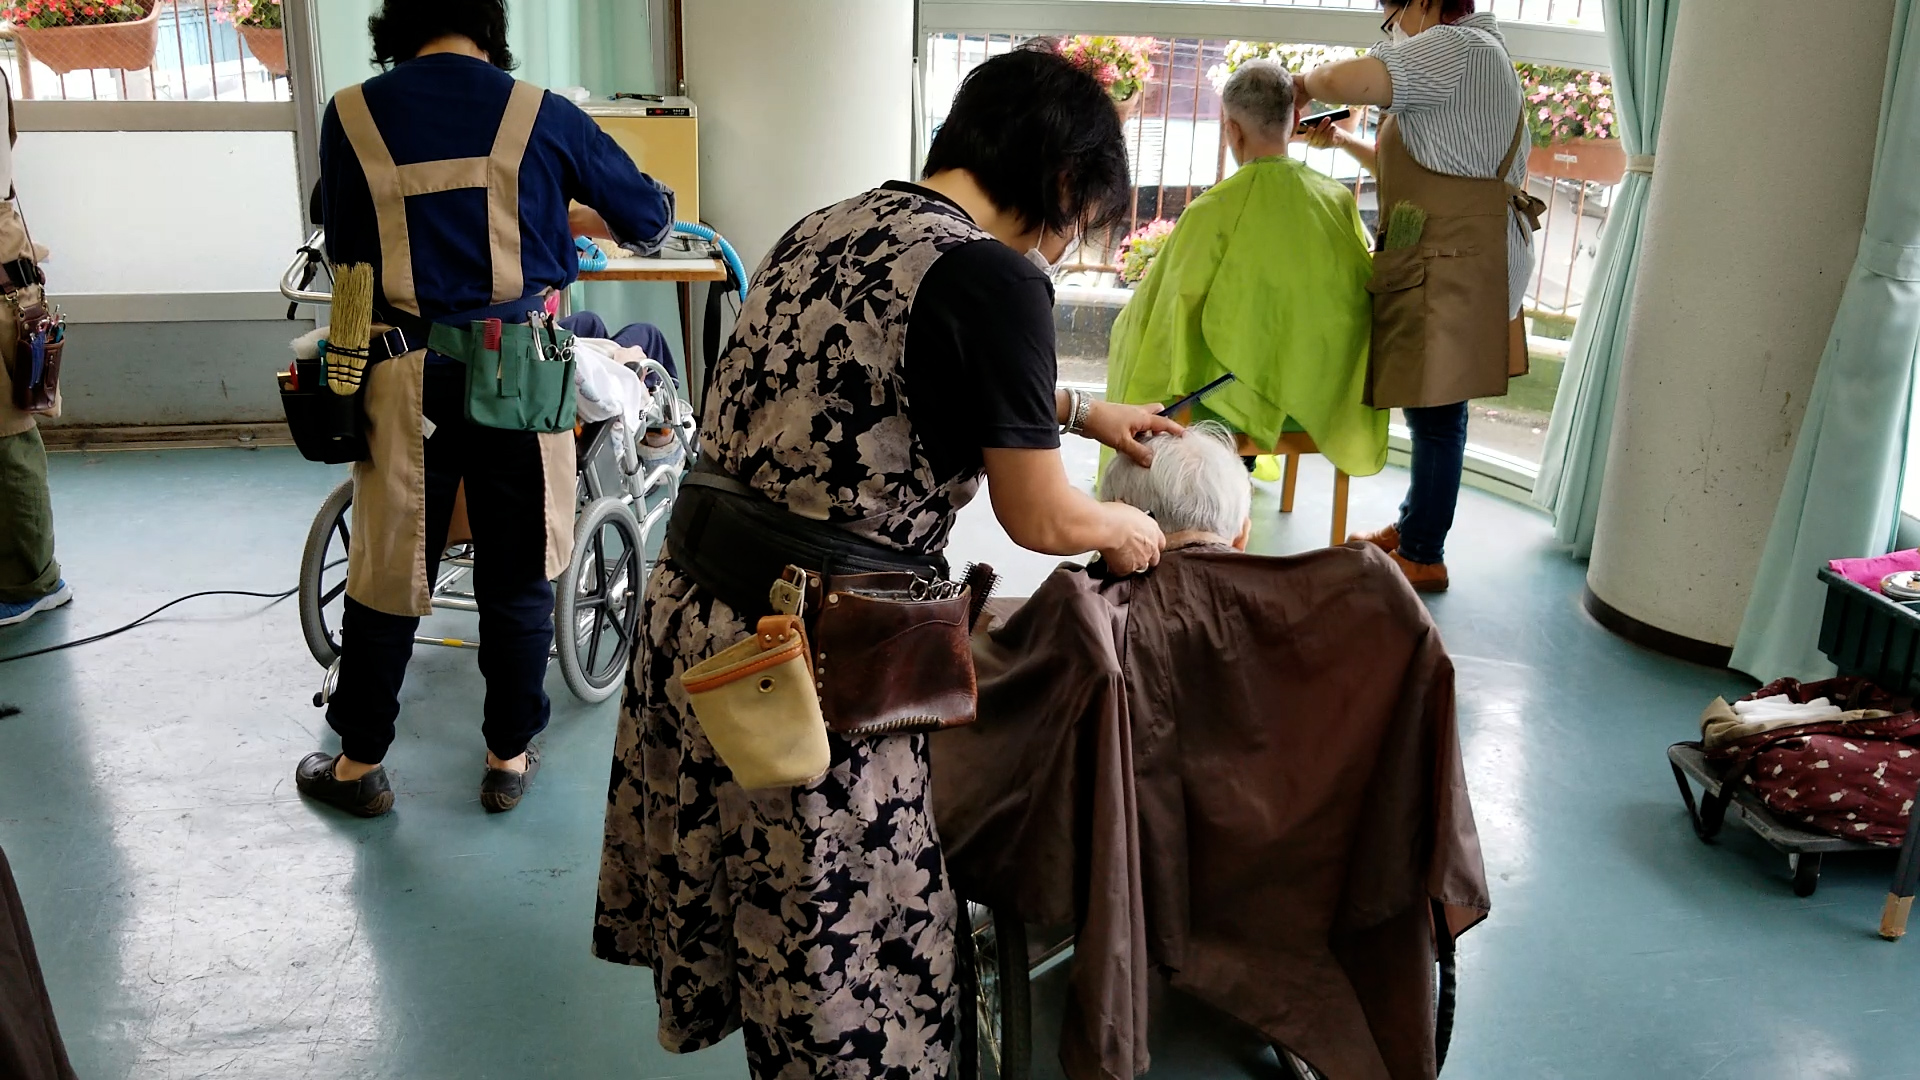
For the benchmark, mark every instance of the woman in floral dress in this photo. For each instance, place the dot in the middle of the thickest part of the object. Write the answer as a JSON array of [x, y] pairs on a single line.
[[893, 349]]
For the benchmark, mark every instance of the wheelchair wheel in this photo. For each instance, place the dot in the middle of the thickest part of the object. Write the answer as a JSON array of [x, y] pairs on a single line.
[[323, 575], [996, 1005], [596, 608]]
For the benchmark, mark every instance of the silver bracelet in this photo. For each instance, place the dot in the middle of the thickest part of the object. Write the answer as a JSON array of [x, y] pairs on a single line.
[[1082, 408]]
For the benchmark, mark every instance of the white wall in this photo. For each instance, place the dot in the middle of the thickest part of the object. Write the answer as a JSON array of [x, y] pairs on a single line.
[[802, 103], [160, 211]]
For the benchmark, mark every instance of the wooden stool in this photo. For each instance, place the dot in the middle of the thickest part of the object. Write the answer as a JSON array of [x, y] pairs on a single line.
[[1291, 445]]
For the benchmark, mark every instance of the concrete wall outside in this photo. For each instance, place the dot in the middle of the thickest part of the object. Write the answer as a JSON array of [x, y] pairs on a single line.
[[155, 374]]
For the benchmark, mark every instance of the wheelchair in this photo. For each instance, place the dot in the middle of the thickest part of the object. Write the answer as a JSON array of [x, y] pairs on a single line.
[[626, 488], [1000, 958]]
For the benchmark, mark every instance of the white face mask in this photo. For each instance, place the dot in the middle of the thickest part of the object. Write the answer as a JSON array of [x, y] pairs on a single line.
[[1052, 269], [1398, 36], [1040, 261]]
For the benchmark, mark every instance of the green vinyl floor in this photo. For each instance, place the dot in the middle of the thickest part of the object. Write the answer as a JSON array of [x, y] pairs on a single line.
[[197, 919]]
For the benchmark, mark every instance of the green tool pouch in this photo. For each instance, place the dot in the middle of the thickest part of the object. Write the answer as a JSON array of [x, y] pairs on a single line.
[[519, 375]]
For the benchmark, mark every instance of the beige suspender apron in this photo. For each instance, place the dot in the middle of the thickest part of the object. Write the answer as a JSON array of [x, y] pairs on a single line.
[[14, 244], [1441, 327], [387, 561]]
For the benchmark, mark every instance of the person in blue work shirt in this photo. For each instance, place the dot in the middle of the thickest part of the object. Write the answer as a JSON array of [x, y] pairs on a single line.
[[454, 181]]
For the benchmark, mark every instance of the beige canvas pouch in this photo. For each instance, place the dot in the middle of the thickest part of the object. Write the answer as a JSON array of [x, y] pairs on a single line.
[[760, 710]]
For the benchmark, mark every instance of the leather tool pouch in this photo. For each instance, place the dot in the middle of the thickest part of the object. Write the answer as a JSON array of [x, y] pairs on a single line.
[[757, 703], [39, 340], [519, 376], [892, 654]]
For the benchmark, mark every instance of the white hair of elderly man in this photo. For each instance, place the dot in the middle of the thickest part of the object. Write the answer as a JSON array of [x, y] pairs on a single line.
[[1197, 488]]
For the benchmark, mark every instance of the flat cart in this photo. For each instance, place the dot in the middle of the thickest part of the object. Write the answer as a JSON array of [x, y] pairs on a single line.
[[1865, 634]]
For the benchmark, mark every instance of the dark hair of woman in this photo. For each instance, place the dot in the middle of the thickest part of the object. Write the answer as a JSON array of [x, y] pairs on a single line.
[[1450, 10], [1042, 139], [401, 28]]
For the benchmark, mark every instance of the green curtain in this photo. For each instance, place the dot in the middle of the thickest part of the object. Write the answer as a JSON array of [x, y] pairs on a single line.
[[1639, 38], [1842, 493]]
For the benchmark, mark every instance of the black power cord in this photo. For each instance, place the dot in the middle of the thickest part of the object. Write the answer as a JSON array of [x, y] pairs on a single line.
[[275, 597]]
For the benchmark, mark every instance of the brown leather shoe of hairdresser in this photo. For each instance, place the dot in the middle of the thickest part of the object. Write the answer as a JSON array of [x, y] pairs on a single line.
[[1424, 577], [1387, 539]]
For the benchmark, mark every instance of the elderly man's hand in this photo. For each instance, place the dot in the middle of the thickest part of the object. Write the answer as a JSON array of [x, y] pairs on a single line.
[[1116, 425]]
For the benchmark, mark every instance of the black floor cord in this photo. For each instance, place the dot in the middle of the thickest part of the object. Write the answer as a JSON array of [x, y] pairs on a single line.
[[275, 597]]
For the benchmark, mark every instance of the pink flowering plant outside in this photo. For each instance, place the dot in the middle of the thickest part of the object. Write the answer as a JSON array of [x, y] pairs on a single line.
[[264, 14], [1564, 103], [1122, 64], [49, 14], [1140, 248]]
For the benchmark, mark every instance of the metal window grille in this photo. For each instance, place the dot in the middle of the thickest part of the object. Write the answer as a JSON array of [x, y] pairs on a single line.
[[186, 50]]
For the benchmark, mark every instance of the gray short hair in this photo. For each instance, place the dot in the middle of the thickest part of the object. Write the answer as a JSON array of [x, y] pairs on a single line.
[[1197, 481], [1260, 96]]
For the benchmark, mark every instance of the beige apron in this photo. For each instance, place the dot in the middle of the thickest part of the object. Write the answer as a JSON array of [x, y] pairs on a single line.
[[14, 244], [387, 562], [1441, 327]]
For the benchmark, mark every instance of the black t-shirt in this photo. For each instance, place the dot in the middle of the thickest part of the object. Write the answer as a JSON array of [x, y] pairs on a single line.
[[980, 362]]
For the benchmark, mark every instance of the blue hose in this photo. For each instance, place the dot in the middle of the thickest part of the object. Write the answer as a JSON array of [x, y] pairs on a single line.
[[701, 232]]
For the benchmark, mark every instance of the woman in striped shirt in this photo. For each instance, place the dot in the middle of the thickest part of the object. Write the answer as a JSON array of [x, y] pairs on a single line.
[[1445, 78]]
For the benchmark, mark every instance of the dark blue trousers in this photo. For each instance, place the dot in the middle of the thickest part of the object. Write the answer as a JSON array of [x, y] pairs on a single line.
[[506, 505], [1439, 436], [644, 336]]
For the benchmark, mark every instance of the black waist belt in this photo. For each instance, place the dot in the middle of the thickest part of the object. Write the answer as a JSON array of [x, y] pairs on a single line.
[[412, 332], [21, 273], [735, 542]]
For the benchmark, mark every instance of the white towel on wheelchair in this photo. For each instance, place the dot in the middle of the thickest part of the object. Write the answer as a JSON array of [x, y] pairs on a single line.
[[606, 387]]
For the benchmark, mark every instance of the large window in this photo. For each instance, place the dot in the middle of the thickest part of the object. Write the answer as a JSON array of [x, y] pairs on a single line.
[[145, 50], [1174, 142]]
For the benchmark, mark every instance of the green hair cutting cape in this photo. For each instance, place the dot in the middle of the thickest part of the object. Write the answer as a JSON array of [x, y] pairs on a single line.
[[1264, 276]]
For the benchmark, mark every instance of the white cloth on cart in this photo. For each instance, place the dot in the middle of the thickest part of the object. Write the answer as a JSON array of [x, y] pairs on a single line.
[[1781, 707]]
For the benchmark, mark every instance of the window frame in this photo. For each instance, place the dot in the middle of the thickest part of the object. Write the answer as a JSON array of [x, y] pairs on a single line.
[[1536, 43]]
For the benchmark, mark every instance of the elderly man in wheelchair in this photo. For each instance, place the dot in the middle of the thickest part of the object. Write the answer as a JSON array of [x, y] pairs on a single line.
[[1237, 772]]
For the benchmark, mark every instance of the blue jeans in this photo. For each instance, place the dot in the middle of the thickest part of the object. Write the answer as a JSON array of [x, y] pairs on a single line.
[[1439, 451]]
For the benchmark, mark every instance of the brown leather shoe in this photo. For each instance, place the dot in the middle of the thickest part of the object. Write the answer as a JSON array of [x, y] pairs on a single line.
[[1387, 539], [1424, 577]]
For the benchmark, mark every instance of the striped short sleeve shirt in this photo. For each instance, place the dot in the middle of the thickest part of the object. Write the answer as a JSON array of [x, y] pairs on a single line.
[[1457, 99]]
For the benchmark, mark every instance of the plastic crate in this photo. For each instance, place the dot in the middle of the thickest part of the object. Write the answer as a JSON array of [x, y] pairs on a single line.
[[1866, 634]]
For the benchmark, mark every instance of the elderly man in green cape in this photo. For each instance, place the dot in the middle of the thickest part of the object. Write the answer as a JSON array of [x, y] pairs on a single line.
[[1265, 276]]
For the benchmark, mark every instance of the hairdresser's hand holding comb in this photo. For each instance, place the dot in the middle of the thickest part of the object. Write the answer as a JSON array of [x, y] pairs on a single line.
[[1120, 427]]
